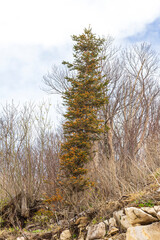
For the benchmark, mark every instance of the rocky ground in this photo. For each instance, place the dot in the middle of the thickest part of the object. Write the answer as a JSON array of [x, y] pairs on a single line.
[[133, 217]]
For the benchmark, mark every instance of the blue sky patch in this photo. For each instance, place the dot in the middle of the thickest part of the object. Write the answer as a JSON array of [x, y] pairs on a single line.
[[150, 34]]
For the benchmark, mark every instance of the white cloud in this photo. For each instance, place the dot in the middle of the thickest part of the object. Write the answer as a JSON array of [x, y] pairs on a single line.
[[22, 68], [34, 34], [51, 22], [21, 72]]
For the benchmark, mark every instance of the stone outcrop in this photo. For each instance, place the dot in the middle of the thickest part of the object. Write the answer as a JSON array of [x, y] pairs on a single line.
[[148, 232], [136, 223], [131, 223], [138, 216]]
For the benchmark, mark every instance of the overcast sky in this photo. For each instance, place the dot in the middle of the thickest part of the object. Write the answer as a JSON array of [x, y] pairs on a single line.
[[35, 34]]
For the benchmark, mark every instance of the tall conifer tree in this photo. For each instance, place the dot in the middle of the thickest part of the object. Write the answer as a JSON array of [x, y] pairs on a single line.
[[83, 99]]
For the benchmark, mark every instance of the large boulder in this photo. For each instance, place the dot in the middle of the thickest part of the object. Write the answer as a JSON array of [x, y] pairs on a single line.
[[148, 232], [137, 216]]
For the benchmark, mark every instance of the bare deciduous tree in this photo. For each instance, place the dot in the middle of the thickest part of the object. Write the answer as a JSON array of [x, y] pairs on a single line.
[[29, 151], [131, 114]]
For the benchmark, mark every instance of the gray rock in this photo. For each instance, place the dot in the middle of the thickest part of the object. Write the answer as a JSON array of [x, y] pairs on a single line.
[[112, 222], [96, 231], [112, 231], [138, 216], [150, 211], [122, 220], [65, 235]]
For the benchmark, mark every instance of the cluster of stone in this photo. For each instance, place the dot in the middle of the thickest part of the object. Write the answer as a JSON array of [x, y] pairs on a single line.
[[130, 223]]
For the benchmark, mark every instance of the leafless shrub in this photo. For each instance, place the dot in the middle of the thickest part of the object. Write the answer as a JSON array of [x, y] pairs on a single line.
[[29, 151]]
